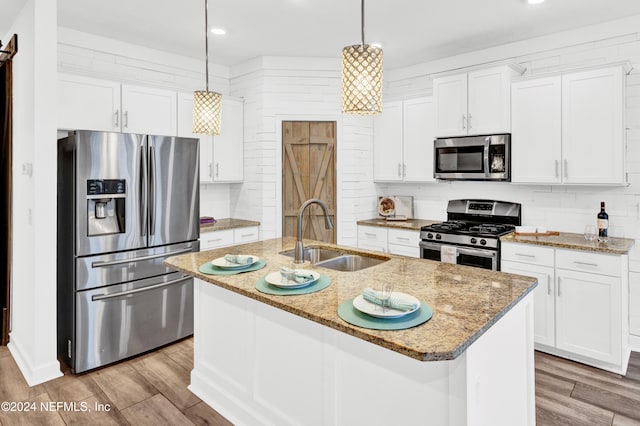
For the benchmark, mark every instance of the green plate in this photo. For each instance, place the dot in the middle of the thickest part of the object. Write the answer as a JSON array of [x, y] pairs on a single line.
[[264, 287], [348, 313], [210, 269]]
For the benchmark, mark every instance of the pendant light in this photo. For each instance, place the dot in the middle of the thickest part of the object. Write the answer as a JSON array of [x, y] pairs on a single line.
[[207, 106], [362, 77]]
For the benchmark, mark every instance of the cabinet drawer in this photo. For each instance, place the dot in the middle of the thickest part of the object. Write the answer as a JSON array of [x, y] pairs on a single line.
[[527, 253], [403, 250], [584, 261], [209, 240], [245, 235], [372, 234], [404, 237]]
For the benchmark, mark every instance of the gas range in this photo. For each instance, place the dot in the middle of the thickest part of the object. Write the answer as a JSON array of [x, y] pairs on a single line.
[[471, 234], [466, 233]]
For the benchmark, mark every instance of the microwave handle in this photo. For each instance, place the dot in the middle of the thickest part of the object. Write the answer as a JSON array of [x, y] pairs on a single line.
[[487, 143]]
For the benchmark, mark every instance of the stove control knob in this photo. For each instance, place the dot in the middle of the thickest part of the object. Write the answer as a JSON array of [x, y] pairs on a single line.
[[473, 241], [438, 237], [429, 235], [483, 242]]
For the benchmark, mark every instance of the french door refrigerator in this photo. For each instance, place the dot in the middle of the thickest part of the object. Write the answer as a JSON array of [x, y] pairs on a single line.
[[125, 203]]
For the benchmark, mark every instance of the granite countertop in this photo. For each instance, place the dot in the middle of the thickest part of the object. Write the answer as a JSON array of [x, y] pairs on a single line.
[[466, 301], [413, 224], [573, 241], [227, 223]]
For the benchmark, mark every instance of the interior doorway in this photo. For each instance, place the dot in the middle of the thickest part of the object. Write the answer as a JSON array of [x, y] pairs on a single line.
[[6, 132], [308, 171]]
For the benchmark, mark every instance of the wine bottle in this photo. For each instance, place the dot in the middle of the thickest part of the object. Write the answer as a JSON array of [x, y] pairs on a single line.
[[603, 224]]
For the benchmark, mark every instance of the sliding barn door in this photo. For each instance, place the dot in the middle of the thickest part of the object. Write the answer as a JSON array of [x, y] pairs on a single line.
[[309, 171]]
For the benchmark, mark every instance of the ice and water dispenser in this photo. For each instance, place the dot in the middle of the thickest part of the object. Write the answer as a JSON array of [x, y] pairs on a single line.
[[106, 199]]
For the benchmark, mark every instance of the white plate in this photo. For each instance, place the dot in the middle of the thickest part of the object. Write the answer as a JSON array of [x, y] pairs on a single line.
[[222, 263], [374, 310], [276, 279]]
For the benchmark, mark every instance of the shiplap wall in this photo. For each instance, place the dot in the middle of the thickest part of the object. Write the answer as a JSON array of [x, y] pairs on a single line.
[[95, 56], [305, 89]]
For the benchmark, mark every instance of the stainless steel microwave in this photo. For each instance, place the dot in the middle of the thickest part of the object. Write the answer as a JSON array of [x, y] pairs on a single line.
[[473, 158]]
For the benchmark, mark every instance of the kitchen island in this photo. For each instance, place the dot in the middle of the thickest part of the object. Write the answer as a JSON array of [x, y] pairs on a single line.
[[267, 359]]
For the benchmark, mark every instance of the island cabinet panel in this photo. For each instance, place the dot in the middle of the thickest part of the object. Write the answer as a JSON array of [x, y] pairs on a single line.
[[257, 364], [581, 302]]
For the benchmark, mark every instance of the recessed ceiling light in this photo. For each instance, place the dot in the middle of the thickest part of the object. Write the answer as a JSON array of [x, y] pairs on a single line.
[[218, 31], [534, 1]]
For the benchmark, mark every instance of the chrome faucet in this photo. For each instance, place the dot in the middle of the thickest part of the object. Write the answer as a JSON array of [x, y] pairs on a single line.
[[299, 250]]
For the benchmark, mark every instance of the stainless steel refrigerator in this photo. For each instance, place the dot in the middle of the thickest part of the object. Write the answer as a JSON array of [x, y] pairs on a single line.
[[125, 203]]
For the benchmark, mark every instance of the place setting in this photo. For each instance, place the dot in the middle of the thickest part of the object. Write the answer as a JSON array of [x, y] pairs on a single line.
[[292, 281], [385, 309], [231, 264]]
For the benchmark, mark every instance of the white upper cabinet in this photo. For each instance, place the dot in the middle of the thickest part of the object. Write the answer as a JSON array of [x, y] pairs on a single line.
[[593, 126], [569, 129], [221, 157], [418, 138], [387, 143], [149, 110], [94, 104], [403, 141], [473, 103], [228, 147], [86, 103], [450, 94], [536, 131]]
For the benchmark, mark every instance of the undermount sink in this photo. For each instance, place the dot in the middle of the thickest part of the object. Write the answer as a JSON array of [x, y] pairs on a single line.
[[315, 254], [351, 262], [336, 260]]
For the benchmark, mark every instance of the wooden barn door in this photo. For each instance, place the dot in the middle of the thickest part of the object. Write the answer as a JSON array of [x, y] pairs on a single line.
[[309, 171]]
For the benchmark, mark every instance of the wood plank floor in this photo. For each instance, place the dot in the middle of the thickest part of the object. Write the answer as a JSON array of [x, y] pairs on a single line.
[[152, 390]]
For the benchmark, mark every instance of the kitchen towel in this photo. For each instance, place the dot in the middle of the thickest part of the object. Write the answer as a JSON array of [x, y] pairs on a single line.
[[264, 287], [210, 269], [350, 314], [294, 274], [448, 254]]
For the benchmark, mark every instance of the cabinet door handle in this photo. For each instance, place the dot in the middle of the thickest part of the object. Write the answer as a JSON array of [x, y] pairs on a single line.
[[402, 238], [247, 235], [404, 170], [399, 169], [557, 168], [126, 119], [548, 284], [116, 116], [595, 265], [214, 240], [211, 170], [469, 122], [566, 168], [368, 234], [217, 169], [559, 292], [464, 122]]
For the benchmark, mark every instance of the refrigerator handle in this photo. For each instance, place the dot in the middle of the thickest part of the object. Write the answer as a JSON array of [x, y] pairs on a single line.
[[143, 190], [152, 189]]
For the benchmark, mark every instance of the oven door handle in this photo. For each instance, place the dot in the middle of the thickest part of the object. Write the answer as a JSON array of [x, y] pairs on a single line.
[[478, 252], [97, 297], [487, 143]]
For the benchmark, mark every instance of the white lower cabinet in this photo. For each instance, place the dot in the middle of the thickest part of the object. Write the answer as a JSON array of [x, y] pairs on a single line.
[[403, 242], [580, 304], [228, 237]]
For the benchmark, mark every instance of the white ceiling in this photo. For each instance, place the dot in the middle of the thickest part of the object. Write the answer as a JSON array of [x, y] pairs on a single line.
[[411, 31]]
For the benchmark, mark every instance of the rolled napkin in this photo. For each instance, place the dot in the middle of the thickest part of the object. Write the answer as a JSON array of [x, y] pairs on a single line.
[[294, 274], [396, 303], [239, 259]]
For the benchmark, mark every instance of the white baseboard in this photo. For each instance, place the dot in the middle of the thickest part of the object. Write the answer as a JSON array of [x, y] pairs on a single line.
[[33, 375], [634, 342]]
